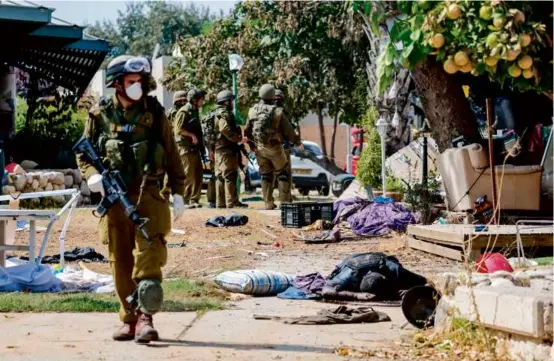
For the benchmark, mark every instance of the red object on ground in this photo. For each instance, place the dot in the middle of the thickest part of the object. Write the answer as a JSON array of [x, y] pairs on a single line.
[[277, 244], [492, 262]]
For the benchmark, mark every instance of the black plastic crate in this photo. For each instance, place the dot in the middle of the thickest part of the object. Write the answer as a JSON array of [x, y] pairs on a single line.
[[300, 214]]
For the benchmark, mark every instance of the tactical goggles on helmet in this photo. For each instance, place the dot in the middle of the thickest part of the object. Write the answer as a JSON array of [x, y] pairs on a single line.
[[138, 64]]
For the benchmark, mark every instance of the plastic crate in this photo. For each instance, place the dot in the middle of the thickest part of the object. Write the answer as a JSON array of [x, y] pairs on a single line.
[[301, 214]]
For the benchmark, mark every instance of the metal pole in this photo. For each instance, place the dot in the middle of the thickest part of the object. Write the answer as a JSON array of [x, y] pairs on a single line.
[[236, 100], [383, 172], [424, 165], [490, 121]]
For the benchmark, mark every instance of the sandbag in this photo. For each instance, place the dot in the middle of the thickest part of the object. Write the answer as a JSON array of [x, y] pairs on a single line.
[[254, 282]]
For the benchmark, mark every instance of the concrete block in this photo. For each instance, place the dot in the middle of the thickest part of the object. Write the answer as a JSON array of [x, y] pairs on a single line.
[[518, 310], [542, 285]]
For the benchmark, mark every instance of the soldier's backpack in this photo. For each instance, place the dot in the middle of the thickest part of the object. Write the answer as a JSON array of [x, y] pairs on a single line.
[[209, 130], [262, 127]]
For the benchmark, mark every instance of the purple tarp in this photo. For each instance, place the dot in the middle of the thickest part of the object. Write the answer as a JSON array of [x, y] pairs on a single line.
[[367, 218]]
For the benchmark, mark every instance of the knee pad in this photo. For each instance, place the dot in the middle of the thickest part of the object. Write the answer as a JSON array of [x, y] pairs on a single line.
[[283, 176], [149, 296]]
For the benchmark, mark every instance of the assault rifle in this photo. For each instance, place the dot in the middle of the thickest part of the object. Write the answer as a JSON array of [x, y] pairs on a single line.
[[115, 190]]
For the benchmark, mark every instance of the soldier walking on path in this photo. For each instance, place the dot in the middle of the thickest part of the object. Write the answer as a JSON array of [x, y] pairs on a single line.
[[133, 136]]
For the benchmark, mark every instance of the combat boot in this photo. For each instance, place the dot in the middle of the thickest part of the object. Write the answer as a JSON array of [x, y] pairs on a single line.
[[126, 332], [145, 332]]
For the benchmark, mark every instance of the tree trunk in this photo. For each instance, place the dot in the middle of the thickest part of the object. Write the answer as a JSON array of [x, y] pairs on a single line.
[[334, 137], [446, 107], [322, 134]]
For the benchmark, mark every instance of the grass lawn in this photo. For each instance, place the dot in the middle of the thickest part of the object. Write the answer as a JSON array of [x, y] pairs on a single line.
[[179, 296], [544, 261]]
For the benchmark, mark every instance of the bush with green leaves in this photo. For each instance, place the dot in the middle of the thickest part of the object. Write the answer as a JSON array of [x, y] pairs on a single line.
[[48, 135]]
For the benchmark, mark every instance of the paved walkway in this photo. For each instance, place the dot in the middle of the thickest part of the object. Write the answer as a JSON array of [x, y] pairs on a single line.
[[223, 335]]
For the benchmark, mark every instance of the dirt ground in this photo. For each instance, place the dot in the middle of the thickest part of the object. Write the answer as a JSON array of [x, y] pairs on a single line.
[[208, 251]]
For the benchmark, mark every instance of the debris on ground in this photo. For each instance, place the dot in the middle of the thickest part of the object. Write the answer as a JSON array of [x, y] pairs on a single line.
[[367, 218], [84, 254], [339, 315], [232, 220], [254, 282]]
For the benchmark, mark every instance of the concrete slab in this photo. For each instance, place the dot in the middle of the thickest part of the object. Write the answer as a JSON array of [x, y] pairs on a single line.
[[518, 310], [226, 335]]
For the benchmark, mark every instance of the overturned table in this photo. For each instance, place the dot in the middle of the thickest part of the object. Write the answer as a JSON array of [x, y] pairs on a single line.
[[33, 216], [456, 241]]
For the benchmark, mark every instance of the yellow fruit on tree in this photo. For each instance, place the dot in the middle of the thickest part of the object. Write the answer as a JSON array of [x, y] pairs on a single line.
[[491, 61], [525, 40], [519, 17], [525, 62], [467, 68], [514, 71], [437, 41], [450, 67], [461, 58], [492, 40], [453, 12], [528, 73], [512, 55], [485, 12], [498, 21]]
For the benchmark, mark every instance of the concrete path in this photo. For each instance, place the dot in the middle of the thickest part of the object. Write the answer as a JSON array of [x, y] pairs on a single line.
[[223, 335]]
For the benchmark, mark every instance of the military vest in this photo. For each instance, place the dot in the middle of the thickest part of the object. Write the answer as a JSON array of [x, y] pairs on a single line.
[[130, 139], [224, 113], [263, 129]]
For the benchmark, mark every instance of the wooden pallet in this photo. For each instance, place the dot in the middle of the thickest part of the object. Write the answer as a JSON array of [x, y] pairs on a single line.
[[455, 241]]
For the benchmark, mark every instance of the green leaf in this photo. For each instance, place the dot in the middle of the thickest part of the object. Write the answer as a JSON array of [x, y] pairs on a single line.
[[416, 35], [481, 67], [408, 50]]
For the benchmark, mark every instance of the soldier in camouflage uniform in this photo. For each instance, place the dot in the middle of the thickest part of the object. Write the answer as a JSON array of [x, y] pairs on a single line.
[[132, 134], [179, 101], [188, 135], [266, 130], [279, 103], [226, 152]]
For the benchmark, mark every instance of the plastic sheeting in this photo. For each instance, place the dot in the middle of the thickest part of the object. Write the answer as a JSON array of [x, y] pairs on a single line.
[[19, 276], [23, 276]]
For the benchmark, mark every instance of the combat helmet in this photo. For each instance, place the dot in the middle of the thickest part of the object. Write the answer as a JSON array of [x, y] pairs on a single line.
[[194, 94], [267, 92], [179, 95], [223, 96], [128, 64]]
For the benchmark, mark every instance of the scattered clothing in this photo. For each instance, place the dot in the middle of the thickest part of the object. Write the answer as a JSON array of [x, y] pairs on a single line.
[[74, 279], [232, 220], [293, 293], [368, 218], [374, 273], [340, 315], [311, 283], [84, 254]]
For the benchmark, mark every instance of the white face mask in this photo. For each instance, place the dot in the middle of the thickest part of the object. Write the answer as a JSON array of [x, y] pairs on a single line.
[[134, 91]]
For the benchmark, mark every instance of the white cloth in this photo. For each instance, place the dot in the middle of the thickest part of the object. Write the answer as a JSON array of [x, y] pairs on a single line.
[[178, 207], [95, 184]]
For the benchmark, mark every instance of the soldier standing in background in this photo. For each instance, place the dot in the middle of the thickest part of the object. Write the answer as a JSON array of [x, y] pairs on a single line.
[[179, 101], [188, 135], [266, 130], [226, 156], [279, 103], [133, 136]]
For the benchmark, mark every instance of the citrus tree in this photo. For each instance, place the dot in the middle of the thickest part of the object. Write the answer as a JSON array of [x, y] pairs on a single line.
[[449, 43]]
